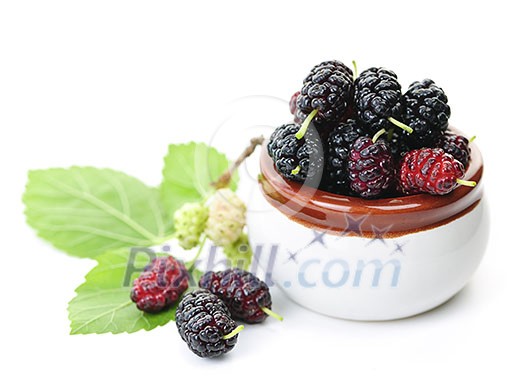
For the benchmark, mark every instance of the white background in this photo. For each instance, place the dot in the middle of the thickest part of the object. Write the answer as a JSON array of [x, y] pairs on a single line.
[[110, 84]]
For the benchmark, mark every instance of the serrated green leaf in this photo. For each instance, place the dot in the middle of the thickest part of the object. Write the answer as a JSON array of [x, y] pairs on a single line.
[[103, 304], [189, 171], [88, 211]]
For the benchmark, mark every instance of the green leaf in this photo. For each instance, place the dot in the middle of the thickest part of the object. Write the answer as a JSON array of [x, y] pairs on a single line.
[[103, 304], [88, 211], [189, 170]]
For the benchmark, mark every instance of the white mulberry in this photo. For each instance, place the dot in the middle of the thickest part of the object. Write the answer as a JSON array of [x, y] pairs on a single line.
[[227, 218], [190, 221]]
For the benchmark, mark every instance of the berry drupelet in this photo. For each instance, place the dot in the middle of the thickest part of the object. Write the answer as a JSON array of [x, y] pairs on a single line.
[[247, 297], [296, 159], [328, 88], [160, 285], [378, 98], [334, 65], [336, 175], [457, 146], [205, 324], [426, 112], [430, 170], [371, 167]]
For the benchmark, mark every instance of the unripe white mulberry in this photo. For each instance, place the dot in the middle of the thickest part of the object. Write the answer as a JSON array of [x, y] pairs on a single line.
[[227, 218], [190, 221]]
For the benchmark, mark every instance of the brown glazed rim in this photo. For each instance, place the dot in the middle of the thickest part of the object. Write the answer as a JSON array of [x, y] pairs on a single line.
[[354, 216]]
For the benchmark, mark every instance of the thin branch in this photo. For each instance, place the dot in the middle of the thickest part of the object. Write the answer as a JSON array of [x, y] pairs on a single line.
[[226, 177]]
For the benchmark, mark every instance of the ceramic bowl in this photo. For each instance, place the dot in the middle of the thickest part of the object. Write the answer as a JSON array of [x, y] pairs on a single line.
[[360, 259]]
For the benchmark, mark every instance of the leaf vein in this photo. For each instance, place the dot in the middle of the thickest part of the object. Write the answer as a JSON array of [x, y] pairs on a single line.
[[90, 198], [85, 324]]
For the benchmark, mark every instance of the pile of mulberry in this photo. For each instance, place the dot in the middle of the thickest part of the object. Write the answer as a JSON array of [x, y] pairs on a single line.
[[364, 127]]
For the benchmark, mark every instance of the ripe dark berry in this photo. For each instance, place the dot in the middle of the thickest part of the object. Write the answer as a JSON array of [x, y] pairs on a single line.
[[426, 112], [429, 170], [203, 321], [299, 160], [329, 89], [371, 168], [377, 98], [244, 294], [336, 177], [160, 285], [457, 146]]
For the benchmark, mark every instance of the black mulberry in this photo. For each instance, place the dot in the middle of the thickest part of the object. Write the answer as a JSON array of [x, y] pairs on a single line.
[[299, 160], [328, 88], [378, 98], [426, 112], [336, 177], [247, 297], [205, 324]]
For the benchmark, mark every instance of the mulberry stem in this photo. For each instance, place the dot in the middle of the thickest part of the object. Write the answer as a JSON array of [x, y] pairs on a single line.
[[378, 134], [225, 179], [401, 125], [192, 262], [271, 313], [355, 69], [466, 183], [472, 139], [234, 332], [306, 123], [296, 170]]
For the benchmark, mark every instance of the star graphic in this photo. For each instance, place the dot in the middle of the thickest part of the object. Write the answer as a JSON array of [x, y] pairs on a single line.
[[379, 234], [318, 238], [399, 248], [353, 225], [292, 257]]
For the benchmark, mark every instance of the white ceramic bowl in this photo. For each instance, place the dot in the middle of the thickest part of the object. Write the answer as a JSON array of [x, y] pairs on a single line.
[[368, 259]]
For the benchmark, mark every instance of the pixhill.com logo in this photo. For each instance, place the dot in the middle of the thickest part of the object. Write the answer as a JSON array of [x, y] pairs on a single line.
[[310, 272]]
